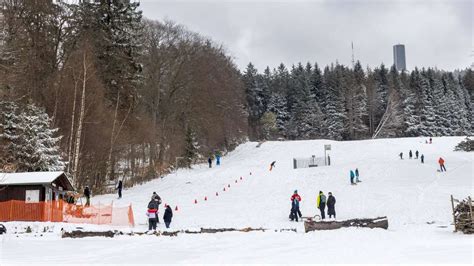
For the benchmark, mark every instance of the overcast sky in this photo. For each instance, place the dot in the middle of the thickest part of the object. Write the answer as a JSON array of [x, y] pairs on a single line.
[[435, 33]]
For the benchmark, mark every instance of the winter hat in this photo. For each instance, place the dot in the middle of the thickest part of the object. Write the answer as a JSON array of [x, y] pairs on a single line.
[[296, 191], [329, 193]]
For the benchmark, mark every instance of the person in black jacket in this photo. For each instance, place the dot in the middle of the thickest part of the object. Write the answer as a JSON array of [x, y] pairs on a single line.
[[209, 161], [87, 194], [157, 198], [331, 202], [168, 216], [119, 188]]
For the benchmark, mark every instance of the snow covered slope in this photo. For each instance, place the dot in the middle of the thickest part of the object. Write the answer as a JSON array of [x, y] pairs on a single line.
[[406, 191], [411, 194]]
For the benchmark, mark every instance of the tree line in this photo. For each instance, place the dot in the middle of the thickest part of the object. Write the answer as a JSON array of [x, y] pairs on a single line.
[[118, 94], [349, 103]]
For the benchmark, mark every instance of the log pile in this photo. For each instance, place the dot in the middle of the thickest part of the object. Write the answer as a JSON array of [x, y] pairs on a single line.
[[82, 234], [379, 222], [463, 215]]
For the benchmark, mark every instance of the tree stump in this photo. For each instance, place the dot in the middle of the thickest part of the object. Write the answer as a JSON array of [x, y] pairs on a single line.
[[379, 222]]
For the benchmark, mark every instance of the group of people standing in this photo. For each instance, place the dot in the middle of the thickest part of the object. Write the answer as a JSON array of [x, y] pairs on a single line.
[[410, 155], [321, 203], [152, 212]]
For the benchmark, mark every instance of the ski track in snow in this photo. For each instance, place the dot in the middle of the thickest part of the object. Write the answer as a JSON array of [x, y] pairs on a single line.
[[408, 192]]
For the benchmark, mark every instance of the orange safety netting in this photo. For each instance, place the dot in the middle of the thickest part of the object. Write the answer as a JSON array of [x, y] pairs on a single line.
[[60, 211]]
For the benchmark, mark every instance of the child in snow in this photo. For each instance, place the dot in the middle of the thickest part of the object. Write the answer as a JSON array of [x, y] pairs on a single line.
[[401, 155], [321, 203], [331, 205], [416, 154], [441, 164], [422, 158], [357, 174], [352, 175], [168, 215], [410, 154]]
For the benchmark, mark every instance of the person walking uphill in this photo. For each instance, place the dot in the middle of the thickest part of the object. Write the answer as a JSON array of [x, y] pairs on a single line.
[[410, 154], [357, 175], [416, 154], [321, 202], [119, 188], [168, 216], [401, 155], [87, 194], [218, 159], [331, 205], [272, 165], [422, 158], [441, 164]]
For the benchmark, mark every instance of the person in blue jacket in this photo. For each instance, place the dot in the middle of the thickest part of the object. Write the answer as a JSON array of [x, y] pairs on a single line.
[[352, 175], [218, 159]]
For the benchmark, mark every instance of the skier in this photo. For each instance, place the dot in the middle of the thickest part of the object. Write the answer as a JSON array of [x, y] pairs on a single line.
[[321, 202], [357, 174], [352, 175], [152, 214], [410, 154], [218, 159], [272, 165], [295, 210], [209, 161], [87, 194], [119, 188], [422, 158], [331, 205], [416, 154], [401, 155], [168, 215], [441, 164]]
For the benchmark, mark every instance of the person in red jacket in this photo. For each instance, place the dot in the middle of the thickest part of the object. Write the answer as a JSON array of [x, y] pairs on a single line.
[[441, 164], [297, 198]]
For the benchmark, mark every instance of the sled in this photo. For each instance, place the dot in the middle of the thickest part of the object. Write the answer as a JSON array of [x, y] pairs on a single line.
[[308, 218]]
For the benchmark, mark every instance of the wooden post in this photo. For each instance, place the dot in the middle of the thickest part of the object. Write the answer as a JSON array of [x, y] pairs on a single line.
[[454, 216]]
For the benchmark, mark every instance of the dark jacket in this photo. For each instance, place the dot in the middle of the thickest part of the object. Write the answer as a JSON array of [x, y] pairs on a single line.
[[155, 196], [331, 204], [153, 204], [168, 215], [87, 192], [120, 184]]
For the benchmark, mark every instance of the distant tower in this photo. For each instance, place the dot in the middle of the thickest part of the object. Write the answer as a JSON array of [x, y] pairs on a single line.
[[399, 57]]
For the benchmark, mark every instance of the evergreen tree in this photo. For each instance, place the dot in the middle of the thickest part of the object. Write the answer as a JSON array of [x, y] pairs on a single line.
[[191, 151], [255, 99], [335, 111]]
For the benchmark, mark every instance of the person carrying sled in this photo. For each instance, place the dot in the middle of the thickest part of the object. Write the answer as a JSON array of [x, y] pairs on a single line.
[[416, 154], [119, 188], [357, 175], [331, 205], [209, 161], [410, 154], [352, 176], [168, 216], [441, 164], [272, 165], [321, 203], [87, 194], [152, 214]]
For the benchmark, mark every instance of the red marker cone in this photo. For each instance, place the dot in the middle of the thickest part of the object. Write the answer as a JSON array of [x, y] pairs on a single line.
[[217, 194], [205, 198], [195, 201], [176, 209]]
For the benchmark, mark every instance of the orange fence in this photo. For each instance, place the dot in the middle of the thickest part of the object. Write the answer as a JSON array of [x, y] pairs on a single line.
[[60, 211]]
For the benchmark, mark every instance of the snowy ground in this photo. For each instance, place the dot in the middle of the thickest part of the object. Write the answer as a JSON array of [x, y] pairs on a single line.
[[411, 194]]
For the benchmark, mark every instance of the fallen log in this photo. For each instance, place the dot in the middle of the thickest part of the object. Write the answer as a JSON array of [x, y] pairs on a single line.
[[379, 222], [82, 234]]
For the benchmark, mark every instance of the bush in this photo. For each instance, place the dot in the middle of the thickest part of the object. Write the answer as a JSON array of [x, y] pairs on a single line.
[[465, 145]]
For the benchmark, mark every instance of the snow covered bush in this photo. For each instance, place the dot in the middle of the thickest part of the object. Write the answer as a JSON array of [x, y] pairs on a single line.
[[466, 145]]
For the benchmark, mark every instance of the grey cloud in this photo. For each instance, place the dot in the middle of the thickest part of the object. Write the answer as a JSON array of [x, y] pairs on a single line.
[[436, 33]]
